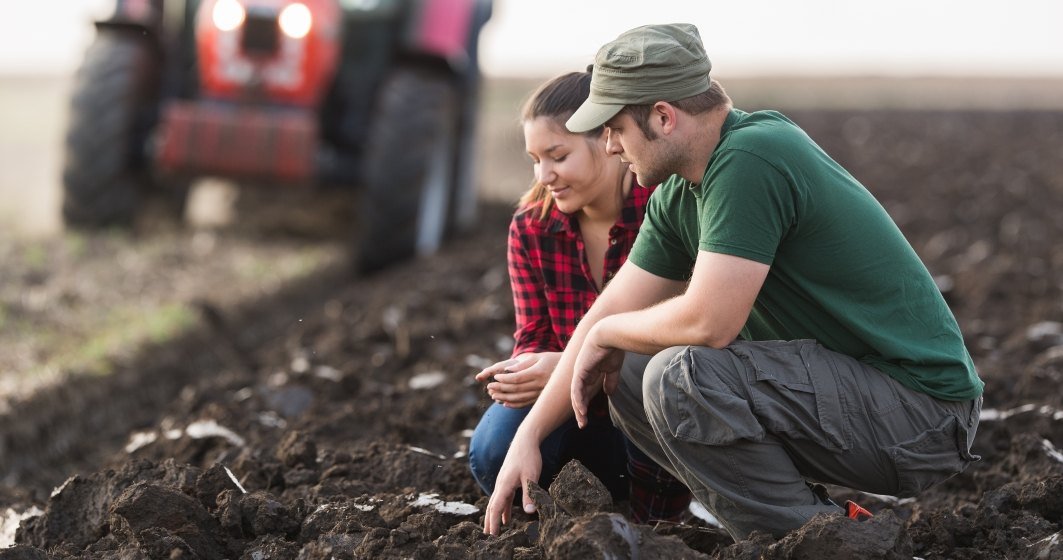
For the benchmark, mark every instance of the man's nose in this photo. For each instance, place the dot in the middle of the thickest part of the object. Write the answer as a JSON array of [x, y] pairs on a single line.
[[612, 145]]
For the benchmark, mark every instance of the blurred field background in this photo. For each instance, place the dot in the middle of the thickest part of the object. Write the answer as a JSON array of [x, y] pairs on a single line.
[[33, 112], [506, 170], [949, 54], [32, 119]]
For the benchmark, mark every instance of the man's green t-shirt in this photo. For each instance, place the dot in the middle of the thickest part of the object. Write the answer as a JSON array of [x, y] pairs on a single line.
[[842, 273]]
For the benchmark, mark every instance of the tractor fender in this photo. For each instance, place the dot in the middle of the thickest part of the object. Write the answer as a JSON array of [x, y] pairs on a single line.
[[142, 15], [447, 30]]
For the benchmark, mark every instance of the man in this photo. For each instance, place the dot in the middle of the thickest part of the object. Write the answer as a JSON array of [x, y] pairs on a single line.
[[771, 330]]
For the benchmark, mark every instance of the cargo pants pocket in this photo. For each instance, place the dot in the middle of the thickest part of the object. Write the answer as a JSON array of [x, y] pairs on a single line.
[[692, 407], [794, 391], [933, 456]]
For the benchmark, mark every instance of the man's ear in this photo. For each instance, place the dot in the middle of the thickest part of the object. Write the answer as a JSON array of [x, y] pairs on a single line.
[[664, 115]]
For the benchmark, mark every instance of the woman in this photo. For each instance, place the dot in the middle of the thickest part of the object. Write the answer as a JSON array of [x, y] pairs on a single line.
[[571, 232]]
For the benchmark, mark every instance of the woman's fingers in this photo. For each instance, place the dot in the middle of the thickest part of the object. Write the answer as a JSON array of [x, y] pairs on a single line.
[[515, 387], [520, 363], [517, 400], [508, 392], [513, 378], [494, 369], [517, 382]]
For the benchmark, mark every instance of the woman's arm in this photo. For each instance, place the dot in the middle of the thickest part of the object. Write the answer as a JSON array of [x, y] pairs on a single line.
[[534, 331], [631, 289], [518, 381]]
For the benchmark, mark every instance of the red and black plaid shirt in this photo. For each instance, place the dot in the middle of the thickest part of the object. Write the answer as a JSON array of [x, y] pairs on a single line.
[[553, 289], [549, 273]]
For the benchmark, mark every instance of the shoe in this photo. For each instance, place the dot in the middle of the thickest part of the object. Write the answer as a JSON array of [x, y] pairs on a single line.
[[854, 511], [820, 492]]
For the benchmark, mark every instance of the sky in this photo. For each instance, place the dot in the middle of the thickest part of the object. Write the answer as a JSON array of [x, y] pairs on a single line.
[[756, 37], [750, 37]]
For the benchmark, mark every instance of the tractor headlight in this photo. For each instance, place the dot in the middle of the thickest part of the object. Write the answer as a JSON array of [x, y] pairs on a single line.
[[295, 20], [228, 15]]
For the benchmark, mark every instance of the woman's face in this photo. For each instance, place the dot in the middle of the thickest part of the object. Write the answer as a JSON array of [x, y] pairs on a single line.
[[570, 166]]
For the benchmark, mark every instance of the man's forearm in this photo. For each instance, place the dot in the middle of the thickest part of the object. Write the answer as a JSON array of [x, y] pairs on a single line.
[[673, 322], [710, 311]]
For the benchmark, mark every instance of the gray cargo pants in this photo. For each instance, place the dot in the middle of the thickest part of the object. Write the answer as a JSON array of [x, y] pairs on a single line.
[[745, 427]]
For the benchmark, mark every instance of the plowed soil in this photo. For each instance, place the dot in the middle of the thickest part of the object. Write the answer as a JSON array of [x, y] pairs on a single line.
[[332, 421]]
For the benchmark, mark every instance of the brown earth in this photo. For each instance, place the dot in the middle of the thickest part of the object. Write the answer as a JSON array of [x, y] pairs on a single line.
[[332, 420]]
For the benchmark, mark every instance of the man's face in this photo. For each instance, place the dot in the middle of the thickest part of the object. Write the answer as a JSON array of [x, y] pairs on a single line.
[[652, 161]]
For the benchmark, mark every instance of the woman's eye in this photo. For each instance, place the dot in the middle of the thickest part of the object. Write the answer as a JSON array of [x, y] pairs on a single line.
[[560, 159]]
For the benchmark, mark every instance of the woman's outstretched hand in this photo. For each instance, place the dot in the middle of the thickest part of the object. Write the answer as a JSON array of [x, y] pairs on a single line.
[[523, 463]]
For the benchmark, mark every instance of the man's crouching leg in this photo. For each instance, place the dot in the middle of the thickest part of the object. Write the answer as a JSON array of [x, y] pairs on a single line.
[[687, 409]]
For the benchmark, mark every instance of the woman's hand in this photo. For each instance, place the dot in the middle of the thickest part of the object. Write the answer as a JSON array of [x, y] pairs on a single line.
[[518, 382], [523, 463]]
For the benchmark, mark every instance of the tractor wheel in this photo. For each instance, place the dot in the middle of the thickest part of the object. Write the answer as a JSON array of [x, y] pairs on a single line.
[[409, 169], [114, 95]]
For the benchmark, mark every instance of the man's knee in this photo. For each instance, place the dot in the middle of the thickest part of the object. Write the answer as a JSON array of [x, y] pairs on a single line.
[[656, 372]]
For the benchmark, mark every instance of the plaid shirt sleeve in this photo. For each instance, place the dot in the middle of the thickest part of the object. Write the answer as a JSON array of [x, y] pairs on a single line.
[[534, 332]]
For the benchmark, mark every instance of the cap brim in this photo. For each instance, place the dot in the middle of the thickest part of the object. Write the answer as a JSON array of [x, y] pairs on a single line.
[[591, 115]]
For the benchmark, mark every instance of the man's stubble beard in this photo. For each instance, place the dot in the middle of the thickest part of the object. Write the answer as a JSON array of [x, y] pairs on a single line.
[[665, 160]]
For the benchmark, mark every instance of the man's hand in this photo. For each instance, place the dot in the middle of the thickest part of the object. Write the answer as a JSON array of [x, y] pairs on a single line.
[[518, 382], [597, 367], [523, 463]]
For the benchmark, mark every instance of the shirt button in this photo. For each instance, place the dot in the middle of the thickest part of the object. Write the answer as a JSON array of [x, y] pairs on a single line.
[[612, 241]]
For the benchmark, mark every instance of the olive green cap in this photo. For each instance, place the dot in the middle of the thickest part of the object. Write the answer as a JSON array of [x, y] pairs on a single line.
[[643, 65]]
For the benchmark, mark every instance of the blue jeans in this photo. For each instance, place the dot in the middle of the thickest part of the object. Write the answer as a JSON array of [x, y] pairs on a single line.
[[599, 446]]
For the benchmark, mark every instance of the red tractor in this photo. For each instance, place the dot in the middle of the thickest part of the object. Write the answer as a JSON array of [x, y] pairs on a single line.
[[379, 95]]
